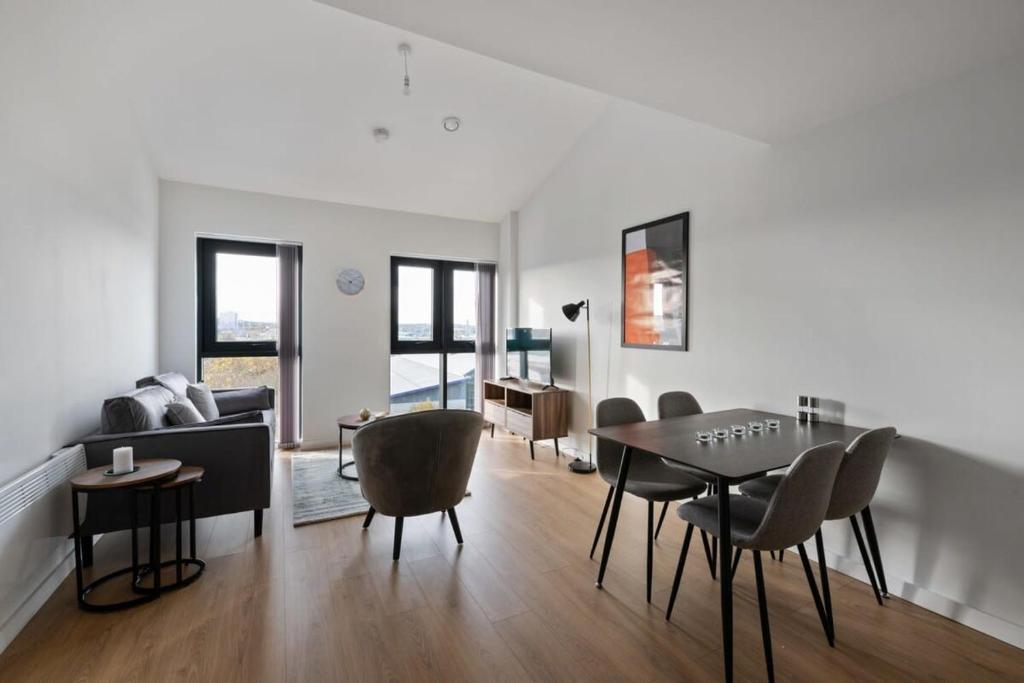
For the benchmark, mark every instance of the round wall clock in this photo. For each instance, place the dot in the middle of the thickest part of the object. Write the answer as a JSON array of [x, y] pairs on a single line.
[[350, 281]]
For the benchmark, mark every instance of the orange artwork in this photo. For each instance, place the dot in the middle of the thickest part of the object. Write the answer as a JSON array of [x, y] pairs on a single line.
[[654, 273], [639, 301]]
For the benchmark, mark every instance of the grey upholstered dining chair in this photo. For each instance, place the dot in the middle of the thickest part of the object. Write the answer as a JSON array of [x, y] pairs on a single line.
[[681, 404], [855, 486], [415, 464], [649, 477], [792, 515]]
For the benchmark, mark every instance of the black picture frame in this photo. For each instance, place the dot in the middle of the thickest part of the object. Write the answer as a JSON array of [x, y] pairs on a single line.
[[675, 250]]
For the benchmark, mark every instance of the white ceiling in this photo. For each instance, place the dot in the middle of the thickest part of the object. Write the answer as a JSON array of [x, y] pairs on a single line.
[[763, 68], [280, 96]]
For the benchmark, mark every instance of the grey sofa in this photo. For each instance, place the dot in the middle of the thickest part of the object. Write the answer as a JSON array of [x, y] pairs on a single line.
[[237, 452]]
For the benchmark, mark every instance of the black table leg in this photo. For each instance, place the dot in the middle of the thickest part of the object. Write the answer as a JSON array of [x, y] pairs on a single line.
[[78, 547], [725, 572], [192, 521], [154, 537], [177, 535], [609, 535]]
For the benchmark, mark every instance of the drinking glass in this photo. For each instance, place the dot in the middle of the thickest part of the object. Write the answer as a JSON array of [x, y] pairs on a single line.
[[721, 432], [704, 437], [755, 426], [739, 430], [772, 422]]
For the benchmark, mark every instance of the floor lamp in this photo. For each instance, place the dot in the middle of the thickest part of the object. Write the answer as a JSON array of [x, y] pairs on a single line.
[[572, 312]]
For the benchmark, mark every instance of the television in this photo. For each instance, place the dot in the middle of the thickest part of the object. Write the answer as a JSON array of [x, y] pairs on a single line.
[[528, 354]]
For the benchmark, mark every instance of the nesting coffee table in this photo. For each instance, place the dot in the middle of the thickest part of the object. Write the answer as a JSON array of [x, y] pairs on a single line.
[[150, 478], [353, 423]]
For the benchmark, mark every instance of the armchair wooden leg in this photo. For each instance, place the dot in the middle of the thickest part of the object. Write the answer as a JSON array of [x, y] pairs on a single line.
[[455, 525], [257, 522], [398, 538], [368, 518]]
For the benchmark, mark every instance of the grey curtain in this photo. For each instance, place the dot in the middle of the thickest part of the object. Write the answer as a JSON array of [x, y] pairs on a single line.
[[485, 302], [289, 273]]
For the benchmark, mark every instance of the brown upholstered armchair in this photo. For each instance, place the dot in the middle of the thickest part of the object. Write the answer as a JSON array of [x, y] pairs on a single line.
[[417, 463]]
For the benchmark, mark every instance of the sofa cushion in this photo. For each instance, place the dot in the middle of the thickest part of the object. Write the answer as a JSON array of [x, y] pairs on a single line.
[[141, 410], [251, 416], [242, 400], [182, 411], [202, 398], [174, 382]]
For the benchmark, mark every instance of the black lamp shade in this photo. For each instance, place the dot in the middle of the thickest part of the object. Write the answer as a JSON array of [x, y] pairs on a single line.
[[572, 311]]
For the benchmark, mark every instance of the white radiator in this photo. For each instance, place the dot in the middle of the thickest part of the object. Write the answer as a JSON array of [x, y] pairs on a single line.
[[35, 521]]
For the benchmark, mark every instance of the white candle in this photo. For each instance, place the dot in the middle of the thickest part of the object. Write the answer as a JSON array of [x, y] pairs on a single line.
[[123, 460]]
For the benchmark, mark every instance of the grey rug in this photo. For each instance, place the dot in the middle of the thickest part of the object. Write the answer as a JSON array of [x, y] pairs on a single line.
[[318, 493]]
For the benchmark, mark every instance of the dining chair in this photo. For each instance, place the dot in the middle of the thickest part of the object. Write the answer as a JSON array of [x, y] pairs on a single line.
[[416, 464], [649, 477], [681, 404], [791, 516], [855, 487]]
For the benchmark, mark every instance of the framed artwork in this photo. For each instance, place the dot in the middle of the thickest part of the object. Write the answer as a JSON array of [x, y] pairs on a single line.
[[655, 269]]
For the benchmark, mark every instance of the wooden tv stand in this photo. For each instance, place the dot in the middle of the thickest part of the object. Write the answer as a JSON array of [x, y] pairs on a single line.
[[528, 410]]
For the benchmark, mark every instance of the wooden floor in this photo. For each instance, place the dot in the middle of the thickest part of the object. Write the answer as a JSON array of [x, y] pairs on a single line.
[[516, 602]]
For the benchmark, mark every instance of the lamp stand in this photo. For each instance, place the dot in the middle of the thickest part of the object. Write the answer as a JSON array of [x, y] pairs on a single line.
[[579, 466]]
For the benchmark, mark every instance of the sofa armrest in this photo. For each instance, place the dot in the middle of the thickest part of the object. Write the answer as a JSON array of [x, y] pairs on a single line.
[[271, 394], [238, 460]]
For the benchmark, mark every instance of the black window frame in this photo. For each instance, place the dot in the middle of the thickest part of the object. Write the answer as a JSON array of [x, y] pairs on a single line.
[[206, 312], [443, 340]]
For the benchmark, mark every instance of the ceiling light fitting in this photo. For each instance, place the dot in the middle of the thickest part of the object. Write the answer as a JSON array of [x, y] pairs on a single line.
[[405, 50], [451, 123]]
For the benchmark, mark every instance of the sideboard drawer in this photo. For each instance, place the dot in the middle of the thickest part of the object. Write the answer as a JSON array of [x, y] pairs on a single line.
[[494, 413], [519, 423]]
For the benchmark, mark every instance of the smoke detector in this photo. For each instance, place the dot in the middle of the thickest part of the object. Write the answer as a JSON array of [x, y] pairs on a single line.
[[451, 123], [381, 134]]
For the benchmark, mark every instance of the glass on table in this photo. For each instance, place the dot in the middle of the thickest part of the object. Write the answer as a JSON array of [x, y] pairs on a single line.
[[721, 432], [755, 426], [772, 422], [738, 430], [703, 436]]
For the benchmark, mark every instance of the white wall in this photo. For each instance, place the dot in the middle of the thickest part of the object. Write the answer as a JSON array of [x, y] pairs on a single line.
[[78, 241], [875, 262], [344, 338]]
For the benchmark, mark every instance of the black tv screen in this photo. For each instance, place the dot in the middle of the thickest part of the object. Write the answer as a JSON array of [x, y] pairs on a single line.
[[528, 354]]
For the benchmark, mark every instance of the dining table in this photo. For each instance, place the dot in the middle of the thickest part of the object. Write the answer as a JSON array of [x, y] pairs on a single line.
[[731, 460]]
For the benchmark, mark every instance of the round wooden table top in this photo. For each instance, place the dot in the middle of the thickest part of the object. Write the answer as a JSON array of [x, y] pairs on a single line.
[[353, 421], [150, 470], [188, 474]]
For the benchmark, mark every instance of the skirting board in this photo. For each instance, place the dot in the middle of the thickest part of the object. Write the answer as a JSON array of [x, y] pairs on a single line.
[[34, 602]]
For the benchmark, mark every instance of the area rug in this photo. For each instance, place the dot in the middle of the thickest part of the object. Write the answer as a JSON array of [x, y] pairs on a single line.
[[318, 493]]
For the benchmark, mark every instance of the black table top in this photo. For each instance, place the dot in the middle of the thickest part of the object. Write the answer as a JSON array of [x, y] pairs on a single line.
[[733, 457]]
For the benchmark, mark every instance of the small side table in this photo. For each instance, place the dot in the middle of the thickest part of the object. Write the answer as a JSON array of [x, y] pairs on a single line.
[[352, 422], [185, 480], [96, 480]]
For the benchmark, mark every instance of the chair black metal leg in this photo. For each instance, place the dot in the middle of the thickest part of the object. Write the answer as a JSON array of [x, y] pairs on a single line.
[[398, 538], [661, 520], [707, 552], [762, 604], [620, 488], [679, 571], [650, 546], [736, 561], [531, 450], [600, 524], [772, 554], [814, 593], [725, 573], [455, 525], [369, 518], [825, 592], [492, 430], [782, 554], [257, 522], [557, 452], [869, 530], [865, 558]]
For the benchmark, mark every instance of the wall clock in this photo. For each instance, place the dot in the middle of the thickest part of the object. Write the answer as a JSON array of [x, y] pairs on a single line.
[[350, 281]]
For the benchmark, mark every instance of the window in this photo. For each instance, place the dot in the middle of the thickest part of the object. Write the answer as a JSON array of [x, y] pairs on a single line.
[[433, 334], [237, 313]]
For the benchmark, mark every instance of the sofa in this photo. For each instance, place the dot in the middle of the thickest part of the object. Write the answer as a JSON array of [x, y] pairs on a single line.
[[236, 450]]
